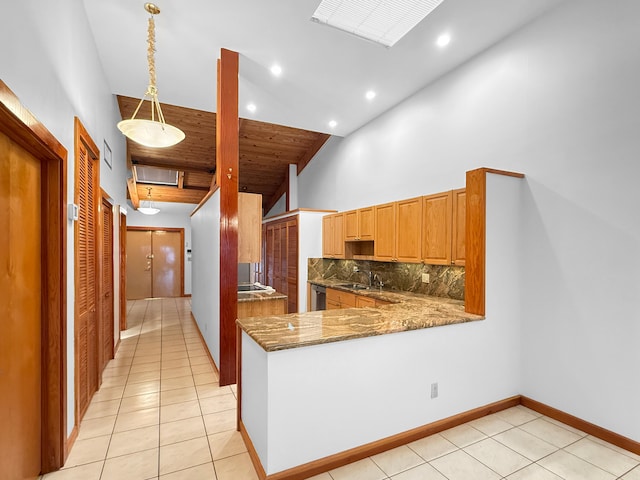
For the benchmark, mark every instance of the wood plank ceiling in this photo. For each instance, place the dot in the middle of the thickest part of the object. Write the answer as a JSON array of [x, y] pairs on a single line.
[[266, 151]]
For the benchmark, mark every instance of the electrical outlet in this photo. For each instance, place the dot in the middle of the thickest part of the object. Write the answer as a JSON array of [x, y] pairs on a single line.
[[434, 390], [425, 278]]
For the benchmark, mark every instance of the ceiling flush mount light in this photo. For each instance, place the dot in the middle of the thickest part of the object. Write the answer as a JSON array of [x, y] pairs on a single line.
[[381, 21], [443, 40], [154, 133], [370, 95], [146, 206], [276, 70], [252, 107], [333, 124]]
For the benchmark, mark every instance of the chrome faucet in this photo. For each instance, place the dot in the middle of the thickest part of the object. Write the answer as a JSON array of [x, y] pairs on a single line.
[[368, 272]]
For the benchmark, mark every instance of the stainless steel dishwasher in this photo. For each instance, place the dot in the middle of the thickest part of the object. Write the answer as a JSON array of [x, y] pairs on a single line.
[[318, 297]]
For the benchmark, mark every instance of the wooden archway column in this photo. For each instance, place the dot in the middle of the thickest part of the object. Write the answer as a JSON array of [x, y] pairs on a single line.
[[227, 160]]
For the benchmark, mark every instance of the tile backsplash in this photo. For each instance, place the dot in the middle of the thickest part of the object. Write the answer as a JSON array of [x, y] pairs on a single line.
[[444, 280]]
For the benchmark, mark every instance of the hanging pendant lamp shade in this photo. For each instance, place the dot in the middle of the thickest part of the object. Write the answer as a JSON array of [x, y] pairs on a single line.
[[147, 207], [155, 133]]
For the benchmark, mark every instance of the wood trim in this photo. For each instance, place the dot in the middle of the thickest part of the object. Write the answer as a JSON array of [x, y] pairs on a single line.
[[73, 436], [211, 360], [205, 199], [253, 455], [123, 272], [133, 192], [325, 464], [309, 154], [23, 127], [227, 164], [295, 212], [587, 427], [476, 239]]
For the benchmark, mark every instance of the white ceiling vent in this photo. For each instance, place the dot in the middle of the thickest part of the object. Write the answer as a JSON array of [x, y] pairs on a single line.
[[156, 176], [382, 21]]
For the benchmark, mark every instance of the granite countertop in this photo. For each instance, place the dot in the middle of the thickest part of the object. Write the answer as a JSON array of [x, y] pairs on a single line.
[[407, 311], [260, 295]]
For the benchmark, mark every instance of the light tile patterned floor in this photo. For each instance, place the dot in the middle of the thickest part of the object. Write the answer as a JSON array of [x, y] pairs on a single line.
[[160, 414]]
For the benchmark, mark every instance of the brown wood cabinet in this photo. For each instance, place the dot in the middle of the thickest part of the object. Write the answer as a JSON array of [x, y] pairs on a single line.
[[249, 227], [333, 236], [281, 259], [398, 231], [359, 224], [443, 228], [362, 301], [338, 299], [262, 308]]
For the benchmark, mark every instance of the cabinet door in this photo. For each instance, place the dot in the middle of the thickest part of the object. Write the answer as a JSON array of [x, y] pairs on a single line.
[[458, 241], [249, 219], [385, 228], [409, 230], [436, 228], [292, 264], [364, 302], [366, 223], [327, 236], [351, 230], [338, 235]]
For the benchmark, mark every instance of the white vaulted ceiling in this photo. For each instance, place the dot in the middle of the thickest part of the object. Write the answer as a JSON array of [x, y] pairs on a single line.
[[325, 72]]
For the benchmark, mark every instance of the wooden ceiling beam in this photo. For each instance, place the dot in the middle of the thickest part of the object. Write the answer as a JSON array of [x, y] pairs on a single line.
[[169, 165], [161, 193], [133, 193]]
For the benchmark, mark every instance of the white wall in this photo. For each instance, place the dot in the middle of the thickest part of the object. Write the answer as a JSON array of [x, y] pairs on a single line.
[[279, 207], [49, 59], [559, 102], [309, 246], [325, 399], [171, 215], [205, 298]]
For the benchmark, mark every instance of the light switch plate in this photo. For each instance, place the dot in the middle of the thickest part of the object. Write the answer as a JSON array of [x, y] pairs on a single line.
[[425, 278]]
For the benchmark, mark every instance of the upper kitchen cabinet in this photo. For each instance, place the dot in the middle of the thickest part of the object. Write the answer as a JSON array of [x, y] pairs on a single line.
[[359, 224], [249, 227], [398, 231], [443, 228], [333, 236]]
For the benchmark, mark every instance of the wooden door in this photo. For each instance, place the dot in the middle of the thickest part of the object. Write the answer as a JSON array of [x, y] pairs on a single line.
[[327, 236], [269, 268], [139, 264], [338, 235], [166, 260], [292, 265], [20, 290], [86, 325], [351, 227], [458, 242], [409, 230], [106, 286], [384, 245], [436, 228]]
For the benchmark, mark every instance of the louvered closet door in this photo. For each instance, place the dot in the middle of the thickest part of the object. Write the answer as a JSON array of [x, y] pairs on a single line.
[[107, 283], [86, 318]]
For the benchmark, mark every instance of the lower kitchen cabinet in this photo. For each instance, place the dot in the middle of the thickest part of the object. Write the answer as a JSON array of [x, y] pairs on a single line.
[[339, 299]]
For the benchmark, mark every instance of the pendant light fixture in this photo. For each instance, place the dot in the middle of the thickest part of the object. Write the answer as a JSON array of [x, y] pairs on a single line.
[[155, 133], [146, 206]]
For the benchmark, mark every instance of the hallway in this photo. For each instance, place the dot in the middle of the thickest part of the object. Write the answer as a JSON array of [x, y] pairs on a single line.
[[160, 412]]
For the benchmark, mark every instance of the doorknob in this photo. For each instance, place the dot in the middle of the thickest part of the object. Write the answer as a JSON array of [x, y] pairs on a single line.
[[150, 255]]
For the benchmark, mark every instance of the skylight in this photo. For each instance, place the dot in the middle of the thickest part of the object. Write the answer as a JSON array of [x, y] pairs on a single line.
[[381, 21]]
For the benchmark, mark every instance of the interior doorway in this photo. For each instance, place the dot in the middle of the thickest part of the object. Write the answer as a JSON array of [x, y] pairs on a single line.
[[32, 279], [155, 262], [106, 281]]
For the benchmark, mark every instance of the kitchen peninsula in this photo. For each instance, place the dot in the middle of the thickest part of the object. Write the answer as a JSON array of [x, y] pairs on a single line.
[[320, 389]]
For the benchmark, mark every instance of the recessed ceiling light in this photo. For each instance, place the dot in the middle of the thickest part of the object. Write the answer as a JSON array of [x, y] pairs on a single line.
[[370, 95], [276, 70], [333, 124], [251, 107], [443, 40]]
